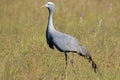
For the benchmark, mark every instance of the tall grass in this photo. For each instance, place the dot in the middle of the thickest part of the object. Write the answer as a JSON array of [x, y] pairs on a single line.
[[24, 54]]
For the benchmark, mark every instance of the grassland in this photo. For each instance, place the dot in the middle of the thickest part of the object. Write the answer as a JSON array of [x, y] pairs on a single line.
[[24, 54]]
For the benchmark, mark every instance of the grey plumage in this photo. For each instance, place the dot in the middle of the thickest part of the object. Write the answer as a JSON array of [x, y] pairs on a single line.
[[64, 42]]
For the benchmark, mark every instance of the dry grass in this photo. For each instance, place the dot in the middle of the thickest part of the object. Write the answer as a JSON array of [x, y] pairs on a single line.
[[24, 54]]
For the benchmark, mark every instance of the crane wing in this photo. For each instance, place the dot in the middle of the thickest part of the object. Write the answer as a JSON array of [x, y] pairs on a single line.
[[65, 42]]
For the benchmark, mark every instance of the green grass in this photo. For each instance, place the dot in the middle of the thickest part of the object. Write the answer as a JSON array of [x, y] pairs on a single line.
[[25, 55]]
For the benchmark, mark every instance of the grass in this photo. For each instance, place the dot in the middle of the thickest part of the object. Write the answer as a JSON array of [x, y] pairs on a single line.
[[24, 54]]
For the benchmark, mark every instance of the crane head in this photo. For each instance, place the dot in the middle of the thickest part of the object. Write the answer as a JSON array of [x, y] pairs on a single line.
[[50, 6]]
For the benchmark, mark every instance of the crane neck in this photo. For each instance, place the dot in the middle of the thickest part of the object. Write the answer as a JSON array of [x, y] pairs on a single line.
[[50, 22]]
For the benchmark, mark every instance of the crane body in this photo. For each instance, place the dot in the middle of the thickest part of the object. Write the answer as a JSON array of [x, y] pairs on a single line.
[[64, 42]]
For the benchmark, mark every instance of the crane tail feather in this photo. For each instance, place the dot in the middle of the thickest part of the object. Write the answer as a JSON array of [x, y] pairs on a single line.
[[88, 57], [94, 66]]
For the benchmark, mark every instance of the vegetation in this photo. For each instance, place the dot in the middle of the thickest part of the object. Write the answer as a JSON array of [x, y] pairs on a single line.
[[25, 55]]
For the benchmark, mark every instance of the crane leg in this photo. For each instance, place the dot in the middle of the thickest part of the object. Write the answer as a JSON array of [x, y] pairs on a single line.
[[73, 65], [66, 58], [72, 62]]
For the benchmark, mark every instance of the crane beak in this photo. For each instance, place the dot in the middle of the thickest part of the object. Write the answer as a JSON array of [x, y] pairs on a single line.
[[42, 6]]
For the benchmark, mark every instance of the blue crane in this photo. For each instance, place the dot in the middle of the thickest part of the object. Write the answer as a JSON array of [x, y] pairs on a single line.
[[64, 42]]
